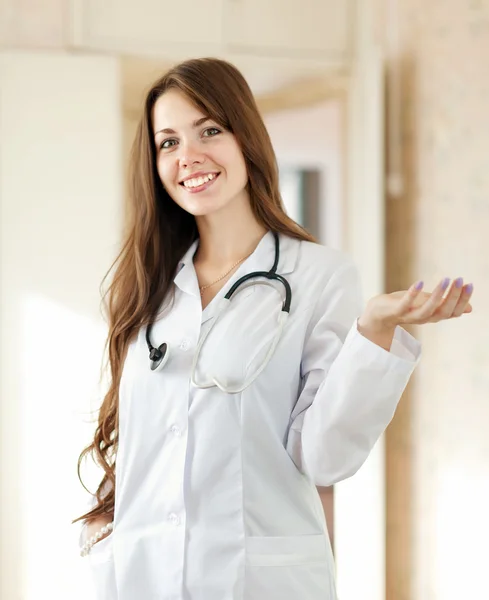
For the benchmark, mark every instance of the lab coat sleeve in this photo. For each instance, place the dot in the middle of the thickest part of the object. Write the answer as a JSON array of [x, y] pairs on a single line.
[[350, 386]]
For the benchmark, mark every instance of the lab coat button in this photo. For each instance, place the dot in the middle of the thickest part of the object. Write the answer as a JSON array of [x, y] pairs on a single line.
[[176, 430], [174, 519], [185, 345]]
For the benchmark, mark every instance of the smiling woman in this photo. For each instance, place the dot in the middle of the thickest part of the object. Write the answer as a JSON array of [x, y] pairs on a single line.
[[213, 452]]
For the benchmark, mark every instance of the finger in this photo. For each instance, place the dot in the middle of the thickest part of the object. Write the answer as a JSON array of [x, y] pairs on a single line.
[[426, 311], [408, 301], [463, 305], [446, 308]]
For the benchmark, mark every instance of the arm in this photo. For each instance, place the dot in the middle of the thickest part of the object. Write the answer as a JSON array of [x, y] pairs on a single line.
[[350, 385]]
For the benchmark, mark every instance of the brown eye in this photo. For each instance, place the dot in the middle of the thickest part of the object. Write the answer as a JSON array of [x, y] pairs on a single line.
[[211, 132], [167, 144]]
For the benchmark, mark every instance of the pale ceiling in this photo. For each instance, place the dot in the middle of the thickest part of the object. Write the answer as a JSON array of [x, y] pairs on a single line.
[[269, 82]]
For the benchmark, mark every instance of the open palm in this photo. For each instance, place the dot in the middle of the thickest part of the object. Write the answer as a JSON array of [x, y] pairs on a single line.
[[416, 307]]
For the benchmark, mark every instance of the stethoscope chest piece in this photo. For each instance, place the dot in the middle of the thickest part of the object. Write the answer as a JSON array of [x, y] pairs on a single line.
[[159, 356]]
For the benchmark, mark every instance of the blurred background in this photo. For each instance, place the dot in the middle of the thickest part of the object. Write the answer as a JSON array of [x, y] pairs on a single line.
[[378, 111]]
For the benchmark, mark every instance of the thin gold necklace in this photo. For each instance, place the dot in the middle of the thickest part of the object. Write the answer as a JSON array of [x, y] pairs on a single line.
[[208, 285]]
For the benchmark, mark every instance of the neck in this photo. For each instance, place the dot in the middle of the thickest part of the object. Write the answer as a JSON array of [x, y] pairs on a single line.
[[227, 238]]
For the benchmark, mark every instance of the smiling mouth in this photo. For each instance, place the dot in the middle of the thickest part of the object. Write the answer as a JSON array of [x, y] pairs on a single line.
[[198, 184]]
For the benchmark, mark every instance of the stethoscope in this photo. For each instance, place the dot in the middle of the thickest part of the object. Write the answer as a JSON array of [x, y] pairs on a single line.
[[159, 356]]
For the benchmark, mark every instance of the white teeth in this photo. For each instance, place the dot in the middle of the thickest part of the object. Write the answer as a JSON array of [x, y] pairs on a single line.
[[191, 183]]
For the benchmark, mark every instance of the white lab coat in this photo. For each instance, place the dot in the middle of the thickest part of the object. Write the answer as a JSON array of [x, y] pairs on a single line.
[[216, 493]]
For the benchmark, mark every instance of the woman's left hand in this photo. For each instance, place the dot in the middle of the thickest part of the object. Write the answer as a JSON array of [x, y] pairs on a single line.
[[413, 307]]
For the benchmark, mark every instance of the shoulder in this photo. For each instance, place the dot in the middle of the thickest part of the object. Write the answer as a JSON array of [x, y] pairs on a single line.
[[322, 261], [331, 283], [313, 253], [321, 275]]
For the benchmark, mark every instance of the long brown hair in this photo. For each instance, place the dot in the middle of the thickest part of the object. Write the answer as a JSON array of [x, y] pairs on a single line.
[[159, 232]]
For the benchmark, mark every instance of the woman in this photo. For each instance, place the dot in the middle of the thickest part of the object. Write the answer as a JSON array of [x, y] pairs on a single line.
[[212, 449]]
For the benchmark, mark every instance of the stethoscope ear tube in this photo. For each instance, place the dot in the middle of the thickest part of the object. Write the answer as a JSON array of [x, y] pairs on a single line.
[[222, 307], [283, 316], [267, 275]]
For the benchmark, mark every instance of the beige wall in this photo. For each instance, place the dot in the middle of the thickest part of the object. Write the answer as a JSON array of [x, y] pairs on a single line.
[[438, 446], [60, 214]]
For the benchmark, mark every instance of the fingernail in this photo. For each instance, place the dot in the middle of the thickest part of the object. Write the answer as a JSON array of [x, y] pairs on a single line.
[[445, 283], [459, 282], [419, 285], [470, 288]]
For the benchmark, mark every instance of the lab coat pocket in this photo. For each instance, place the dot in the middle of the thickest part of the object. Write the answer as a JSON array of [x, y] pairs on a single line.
[[101, 564], [288, 568]]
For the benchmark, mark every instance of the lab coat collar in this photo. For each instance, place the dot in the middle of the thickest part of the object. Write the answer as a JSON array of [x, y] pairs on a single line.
[[261, 260], [186, 278], [263, 257]]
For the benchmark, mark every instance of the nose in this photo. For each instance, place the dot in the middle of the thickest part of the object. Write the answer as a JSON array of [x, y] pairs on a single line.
[[190, 155]]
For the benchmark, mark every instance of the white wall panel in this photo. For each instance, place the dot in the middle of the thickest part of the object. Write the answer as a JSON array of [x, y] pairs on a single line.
[[288, 27], [60, 212], [149, 26], [33, 23]]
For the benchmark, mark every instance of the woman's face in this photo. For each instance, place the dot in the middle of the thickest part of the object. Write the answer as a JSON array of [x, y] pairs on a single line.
[[199, 163]]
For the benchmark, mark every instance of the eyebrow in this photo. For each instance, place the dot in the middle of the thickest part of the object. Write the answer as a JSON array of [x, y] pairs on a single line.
[[196, 123]]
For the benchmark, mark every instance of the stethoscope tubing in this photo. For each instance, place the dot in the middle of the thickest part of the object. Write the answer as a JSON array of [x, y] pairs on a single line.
[[159, 356]]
